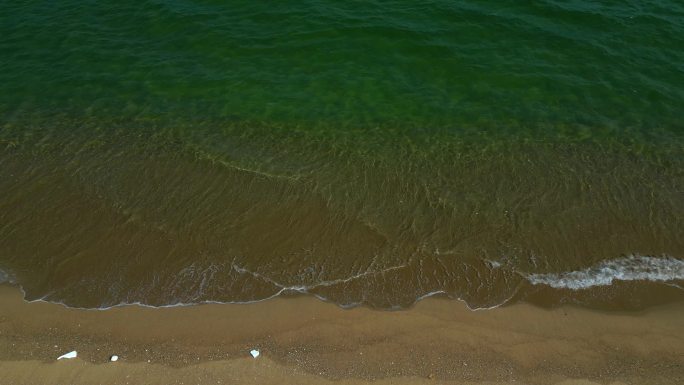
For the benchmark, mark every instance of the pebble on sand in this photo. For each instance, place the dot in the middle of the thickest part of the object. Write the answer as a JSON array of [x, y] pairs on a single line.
[[71, 354], [254, 353], [114, 358]]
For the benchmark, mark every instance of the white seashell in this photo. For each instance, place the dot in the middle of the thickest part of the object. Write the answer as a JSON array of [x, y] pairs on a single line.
[[71, 354]]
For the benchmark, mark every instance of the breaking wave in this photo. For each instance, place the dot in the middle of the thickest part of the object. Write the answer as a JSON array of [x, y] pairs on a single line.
[[630, 268]]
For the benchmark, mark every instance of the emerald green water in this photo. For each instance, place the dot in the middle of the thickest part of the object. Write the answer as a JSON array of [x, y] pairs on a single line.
[[192, 151], [432, 65]]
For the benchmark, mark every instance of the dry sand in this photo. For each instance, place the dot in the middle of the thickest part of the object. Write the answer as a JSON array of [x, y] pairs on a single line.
[[305, 341]]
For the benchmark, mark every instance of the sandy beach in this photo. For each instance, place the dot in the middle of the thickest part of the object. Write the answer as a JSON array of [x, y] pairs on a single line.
[[305, 341], [335, 192]]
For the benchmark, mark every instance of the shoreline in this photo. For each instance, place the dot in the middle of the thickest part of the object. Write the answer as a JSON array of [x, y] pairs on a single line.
[[304, 340]]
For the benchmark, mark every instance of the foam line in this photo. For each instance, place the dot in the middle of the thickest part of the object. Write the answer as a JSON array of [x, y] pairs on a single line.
[[318, 284], [630, 268]]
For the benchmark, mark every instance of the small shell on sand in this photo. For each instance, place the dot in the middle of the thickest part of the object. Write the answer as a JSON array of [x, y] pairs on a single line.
[[71, 354]]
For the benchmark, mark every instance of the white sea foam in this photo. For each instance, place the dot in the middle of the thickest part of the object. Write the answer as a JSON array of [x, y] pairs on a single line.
[[306, 288], [631, 268], [664, 269], [5, 277]]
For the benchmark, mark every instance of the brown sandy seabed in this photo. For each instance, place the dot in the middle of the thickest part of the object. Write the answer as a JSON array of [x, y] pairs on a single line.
[[306, 341]]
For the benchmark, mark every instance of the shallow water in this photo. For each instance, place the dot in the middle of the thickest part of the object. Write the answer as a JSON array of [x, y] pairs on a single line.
[[194, 151]]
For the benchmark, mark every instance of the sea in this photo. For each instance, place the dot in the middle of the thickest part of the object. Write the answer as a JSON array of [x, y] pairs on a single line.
[[367, 153]]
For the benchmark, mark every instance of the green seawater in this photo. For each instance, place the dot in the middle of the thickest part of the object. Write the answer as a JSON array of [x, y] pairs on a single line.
[[372, 153]]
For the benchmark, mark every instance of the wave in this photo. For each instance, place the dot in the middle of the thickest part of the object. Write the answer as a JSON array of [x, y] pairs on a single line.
[[630, 268], [664, 269]]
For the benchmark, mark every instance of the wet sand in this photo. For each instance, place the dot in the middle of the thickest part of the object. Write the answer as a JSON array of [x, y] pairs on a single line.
[[305, 341]]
